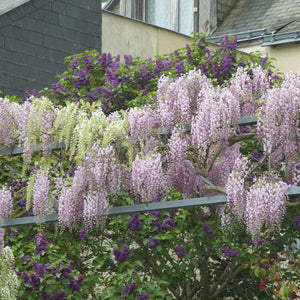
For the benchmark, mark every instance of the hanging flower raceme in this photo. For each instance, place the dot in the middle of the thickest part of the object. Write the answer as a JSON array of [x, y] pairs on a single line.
[[147, 177], [9, 113], [6, 204], [177, 101], [249, 89], [216, 116], [141, 121], [265, 205], [35, 126], [6, 211], [178, 175], [261, 205], [40, 194], [236, 190], [93, 183], [223, 165], [9, 282], [278, 120]]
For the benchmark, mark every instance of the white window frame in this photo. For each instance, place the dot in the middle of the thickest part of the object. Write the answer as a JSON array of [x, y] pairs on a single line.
[[204, 14]]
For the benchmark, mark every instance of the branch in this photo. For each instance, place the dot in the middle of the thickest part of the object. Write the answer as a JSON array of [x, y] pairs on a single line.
[[262, 161], [226, 281], [232, 141], [225, 272], [216, 188], [208, 184]]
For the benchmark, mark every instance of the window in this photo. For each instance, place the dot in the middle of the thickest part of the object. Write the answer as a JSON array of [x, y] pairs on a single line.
[[177, 15]]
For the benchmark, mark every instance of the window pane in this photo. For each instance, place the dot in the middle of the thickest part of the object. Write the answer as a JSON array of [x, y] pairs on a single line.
[[158, 13], [186, 16]]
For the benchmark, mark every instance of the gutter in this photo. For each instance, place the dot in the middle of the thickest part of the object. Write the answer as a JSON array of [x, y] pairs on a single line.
[[244, 36], [269, 38], [281, 38]]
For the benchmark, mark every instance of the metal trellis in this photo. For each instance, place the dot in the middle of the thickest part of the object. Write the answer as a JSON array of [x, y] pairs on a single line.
[[138, 208]]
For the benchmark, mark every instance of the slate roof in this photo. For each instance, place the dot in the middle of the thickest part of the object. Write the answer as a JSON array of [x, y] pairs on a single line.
[[277, 16]]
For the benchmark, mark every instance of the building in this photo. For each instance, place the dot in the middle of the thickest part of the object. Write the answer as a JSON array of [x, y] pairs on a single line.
[[36, 35], [271, 27]]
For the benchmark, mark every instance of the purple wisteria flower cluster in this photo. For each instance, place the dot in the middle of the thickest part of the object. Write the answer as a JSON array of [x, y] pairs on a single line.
[[121, 255], [178, 175], [179, 251], [229, 253], [36, 273], [279, 118], [99, 77], [134, 223]]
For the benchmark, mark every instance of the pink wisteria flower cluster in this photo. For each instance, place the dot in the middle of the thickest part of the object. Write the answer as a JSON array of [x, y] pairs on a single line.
[[147, 177], [88, 195], [259, 205], [6, 211], [200, 126]]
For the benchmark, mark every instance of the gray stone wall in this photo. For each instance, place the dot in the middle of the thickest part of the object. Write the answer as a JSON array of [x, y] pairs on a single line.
[[36, 37], [223, 9]]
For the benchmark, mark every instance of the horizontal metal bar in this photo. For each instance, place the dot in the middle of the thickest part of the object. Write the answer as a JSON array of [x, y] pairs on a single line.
[[294, 191], [174, 204], [28, 220], [140, 208], [20, 150], [128, 209], [243, 121], [246, 120]]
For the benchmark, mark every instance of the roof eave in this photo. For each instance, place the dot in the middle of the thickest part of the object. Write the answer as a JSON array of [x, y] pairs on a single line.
[[281, 38], [243, 36], [268, 38]]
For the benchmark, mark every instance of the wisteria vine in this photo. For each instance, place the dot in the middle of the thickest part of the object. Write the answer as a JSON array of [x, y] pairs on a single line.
[[142, 152], [107, 150]]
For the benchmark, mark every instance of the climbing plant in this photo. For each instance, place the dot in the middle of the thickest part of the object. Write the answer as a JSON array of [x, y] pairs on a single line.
[[188, 143]]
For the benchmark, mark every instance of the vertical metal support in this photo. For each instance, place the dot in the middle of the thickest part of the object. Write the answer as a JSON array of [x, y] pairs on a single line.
[[174, 16], [126, 8], [207, 15], [138, 10], [196, 15]]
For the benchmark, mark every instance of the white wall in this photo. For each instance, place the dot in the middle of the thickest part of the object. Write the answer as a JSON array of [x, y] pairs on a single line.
[[121, 35], [287, 55]]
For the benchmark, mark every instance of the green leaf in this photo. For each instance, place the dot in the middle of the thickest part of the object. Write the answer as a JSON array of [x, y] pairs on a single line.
[[257, 271], [284, 291]]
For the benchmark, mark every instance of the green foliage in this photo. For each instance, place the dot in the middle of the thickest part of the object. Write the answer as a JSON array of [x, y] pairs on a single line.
[[113, 84], [176, 254]]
